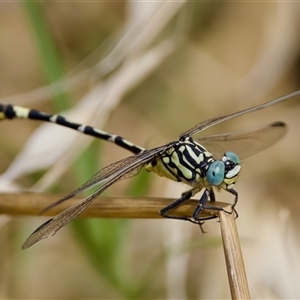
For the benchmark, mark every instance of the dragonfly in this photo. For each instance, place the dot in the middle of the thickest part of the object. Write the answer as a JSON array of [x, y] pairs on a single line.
[[207, 163]]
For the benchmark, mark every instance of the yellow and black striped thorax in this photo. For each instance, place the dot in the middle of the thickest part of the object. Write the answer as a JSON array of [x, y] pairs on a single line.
[[184, 160]]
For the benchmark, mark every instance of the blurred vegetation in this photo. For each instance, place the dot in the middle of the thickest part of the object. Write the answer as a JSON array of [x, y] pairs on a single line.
[[225, 57]]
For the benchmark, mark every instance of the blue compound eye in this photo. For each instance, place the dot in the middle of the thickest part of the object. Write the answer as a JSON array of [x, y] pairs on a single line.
[[232, 157], [215, 173]]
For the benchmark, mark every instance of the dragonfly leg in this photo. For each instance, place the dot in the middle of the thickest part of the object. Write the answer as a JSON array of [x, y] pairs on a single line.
[[184, 197], [201, 205], [203, 200], [212, 195], [233, 192]]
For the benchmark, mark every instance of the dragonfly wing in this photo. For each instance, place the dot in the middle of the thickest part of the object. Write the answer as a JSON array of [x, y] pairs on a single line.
[[111, 174], [213, 121], [246, 142], [100, 177]]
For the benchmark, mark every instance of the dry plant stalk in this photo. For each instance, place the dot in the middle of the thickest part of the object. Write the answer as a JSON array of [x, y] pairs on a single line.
[[106, 207], [142, 207], [233, 256]]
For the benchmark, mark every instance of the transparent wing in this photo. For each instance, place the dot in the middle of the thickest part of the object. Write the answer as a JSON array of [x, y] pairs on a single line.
[[213, 121], [246, 142], [102, 176], [109, 175]]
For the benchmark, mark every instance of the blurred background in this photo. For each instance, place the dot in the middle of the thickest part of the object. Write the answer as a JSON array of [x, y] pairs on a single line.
[[147, 71]]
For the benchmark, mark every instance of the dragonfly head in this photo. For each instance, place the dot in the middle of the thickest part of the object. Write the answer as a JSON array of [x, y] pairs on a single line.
[[224, 173]]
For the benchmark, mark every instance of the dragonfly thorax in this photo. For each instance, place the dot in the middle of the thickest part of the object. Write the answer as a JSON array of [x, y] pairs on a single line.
[[184, 161], [189, 162]]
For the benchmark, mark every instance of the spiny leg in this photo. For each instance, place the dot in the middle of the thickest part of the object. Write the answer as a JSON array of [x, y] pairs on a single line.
[[236, 198], [233, 210], [202, 204], [185, 196]]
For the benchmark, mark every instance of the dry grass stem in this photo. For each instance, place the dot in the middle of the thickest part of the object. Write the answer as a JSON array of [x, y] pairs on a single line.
[[142, 207], [233, 256], [105, 207]]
